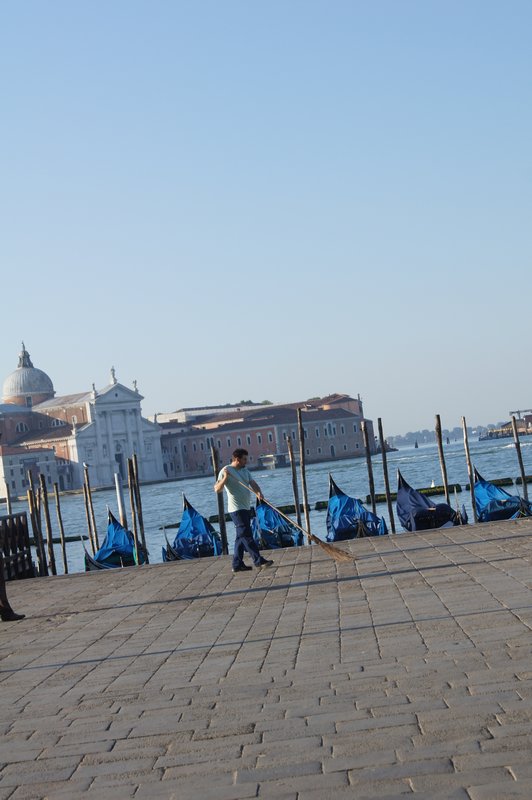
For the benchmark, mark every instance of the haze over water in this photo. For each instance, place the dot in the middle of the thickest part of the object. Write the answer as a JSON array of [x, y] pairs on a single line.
[[162, 502]]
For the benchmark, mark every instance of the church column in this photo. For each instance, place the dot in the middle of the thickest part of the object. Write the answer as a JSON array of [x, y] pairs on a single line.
[[101, 478], [128, 433], [110, 446]]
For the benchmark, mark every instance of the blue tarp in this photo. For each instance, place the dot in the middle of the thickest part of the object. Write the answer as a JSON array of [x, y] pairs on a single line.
[[348, 518], [417, 513], [195, 538], [271, 530], [493, 503], [118, 547]]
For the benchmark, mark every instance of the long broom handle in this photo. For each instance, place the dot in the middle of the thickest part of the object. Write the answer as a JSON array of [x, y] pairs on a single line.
[[310, 536]]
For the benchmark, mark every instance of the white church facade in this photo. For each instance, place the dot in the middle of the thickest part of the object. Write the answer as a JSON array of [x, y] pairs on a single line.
[[102, 428]]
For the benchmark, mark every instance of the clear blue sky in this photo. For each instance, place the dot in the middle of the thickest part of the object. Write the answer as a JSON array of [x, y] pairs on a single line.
[[232, 200]]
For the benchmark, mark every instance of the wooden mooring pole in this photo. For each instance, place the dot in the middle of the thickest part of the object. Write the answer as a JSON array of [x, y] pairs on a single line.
[[369, 465], [131, 485], [91, 507], [61, 528], [37, 533], [49, 532], [120, 500], [220, 500], [470, 472], [520, 457], [88, 517], [439, 441], [8, 501], [138, 503], [301, 435], [295, 488], [382, 441]]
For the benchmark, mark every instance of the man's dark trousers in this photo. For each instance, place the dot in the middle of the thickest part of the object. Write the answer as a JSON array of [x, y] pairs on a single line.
[[244, 539]]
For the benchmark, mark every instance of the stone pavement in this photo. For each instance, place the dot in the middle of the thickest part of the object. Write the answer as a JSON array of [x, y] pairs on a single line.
[[407, 674]]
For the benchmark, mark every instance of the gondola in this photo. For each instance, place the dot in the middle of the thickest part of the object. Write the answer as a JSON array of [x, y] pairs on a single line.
[[272, 531], [347, 518], [417, 513], [493, 503], [117, 550], [195, 538]]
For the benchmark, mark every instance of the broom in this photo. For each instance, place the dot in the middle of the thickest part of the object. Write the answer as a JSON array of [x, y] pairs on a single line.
[[329, 549]]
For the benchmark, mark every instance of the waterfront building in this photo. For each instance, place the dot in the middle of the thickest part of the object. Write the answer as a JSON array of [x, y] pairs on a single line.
[[56, 435], [332, 430]]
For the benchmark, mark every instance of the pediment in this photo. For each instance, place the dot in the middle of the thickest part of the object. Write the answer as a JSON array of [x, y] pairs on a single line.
[[115, 394]]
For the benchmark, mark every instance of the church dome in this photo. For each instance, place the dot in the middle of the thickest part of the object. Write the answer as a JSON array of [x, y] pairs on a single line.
[[27, 385]]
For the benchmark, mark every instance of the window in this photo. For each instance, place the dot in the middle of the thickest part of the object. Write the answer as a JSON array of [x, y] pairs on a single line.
[[248, 439], [270, 437], [334, 430], [202, 447], [29, 402], [317, 433], [194, 446], [355, 428], [259, 438], [228, 442], [356, 445], [184, 448], [13, 485], [239, 441], [175, 449], [305, 433], [58, 423], [219, 444], [319, 450], [148, 447], [294, 435], [342, 428], [308, 452], [325, 431], [345, 447], [22, 427]]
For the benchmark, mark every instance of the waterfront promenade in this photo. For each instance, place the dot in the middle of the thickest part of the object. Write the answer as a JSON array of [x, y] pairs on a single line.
[[406, 673]]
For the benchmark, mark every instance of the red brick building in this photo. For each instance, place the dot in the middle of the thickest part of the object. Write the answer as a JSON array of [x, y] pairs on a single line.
[[332, 429]]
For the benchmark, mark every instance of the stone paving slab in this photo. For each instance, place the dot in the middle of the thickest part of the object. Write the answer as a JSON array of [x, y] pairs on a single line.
[[405, 673]]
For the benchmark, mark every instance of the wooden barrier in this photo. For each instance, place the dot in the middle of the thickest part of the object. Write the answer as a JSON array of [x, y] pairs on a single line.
[[15, 547]]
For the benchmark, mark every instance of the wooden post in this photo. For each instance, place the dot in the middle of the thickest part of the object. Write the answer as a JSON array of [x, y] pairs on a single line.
[[369, 465], [138, 502], [301, 435], [88, 517], [386, 477], [469, 470], [220, 499], [61, 528], [49, 532], [8, 500], [91, 507], [294, 478], [130, 483], [120, 500], [439, 441], [37, 534], [520, 458]]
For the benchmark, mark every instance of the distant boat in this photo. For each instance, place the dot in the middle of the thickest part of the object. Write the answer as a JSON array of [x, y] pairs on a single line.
[[272, 531], [417, 513], [195, 537], [494, 503], [117, 550], [416, 445], [347, 518]]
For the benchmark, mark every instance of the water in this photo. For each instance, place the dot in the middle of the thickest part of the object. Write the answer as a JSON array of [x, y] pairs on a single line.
[[162, 502]]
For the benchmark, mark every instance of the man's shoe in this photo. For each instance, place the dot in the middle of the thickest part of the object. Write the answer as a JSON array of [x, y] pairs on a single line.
[[242, 568], [265, 563]]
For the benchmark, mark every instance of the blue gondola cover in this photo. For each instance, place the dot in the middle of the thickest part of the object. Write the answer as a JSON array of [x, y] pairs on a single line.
[[118, 547], [195, 537], [347, 517], [417, 513], [493, 503], [271, 530]]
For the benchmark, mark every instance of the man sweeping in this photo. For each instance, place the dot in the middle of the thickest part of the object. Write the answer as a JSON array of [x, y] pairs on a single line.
[[239, 506]]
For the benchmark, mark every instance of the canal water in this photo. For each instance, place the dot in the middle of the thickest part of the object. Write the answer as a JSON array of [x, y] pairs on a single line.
[[162, 502]]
